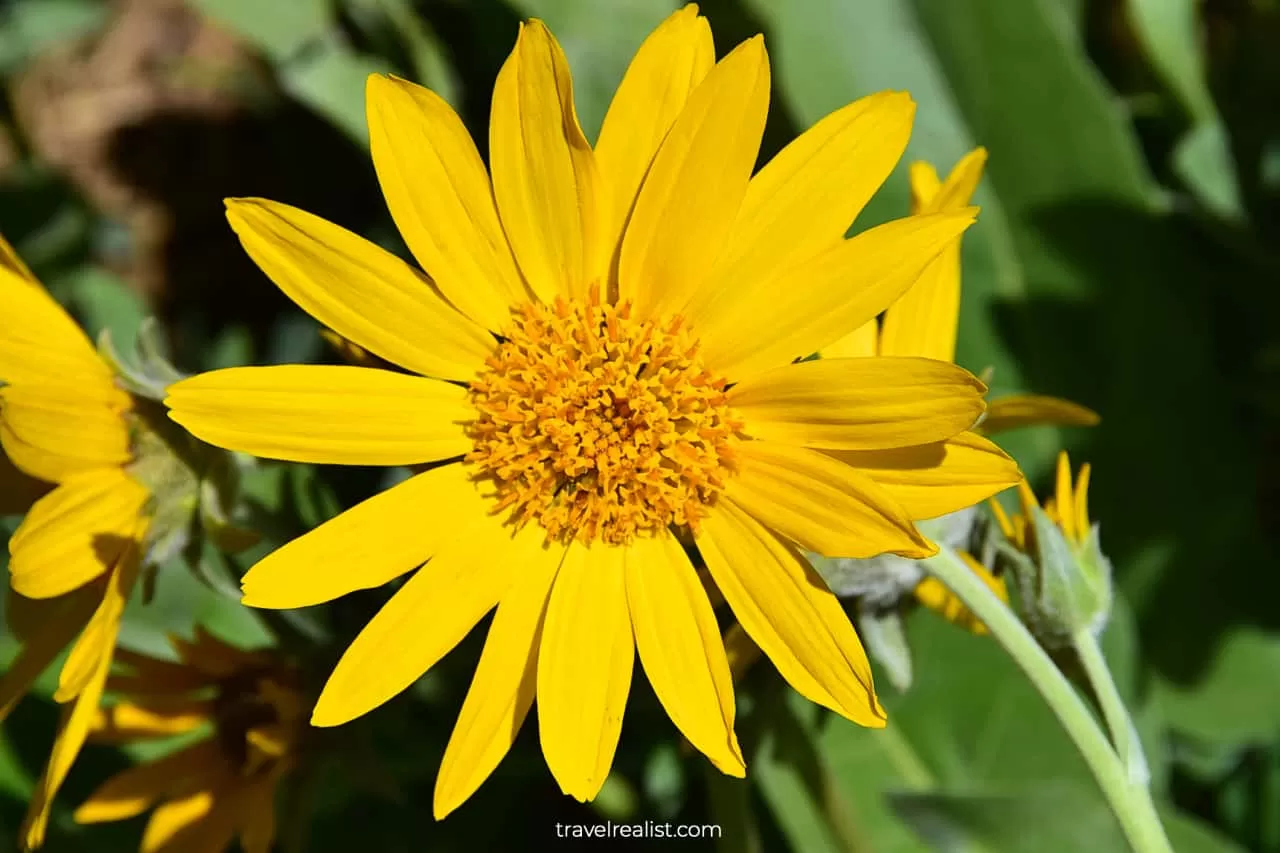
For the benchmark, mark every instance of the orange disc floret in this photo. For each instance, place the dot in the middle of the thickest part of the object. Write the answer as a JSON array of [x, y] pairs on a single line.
[[601, 426]]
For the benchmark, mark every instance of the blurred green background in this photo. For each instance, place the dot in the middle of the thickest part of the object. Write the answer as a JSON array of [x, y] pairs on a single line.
[[1127, 257]]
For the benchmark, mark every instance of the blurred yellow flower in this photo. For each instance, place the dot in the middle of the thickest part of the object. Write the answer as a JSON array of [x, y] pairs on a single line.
[[74, 559], [205, 794], [605, 352]]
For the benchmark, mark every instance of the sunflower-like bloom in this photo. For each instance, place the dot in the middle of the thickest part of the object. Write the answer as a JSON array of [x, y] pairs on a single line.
[[605, 355], [205, 794], [75, 557]]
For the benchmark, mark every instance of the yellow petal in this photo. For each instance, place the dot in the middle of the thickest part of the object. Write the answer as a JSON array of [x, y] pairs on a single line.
[[1019, 410], [53, 431], [801, 311], [693, 190], [1064, 497], [370, 544], [669, 65], [75, 533], [361, 291], [66, 746], [859, 403], [935, 595], [925, 319], [63, 618], [196, 822], [330, 414], [785, 607], [544, 173], [935, 479], [152, 718], [504, 684], [133, 791], [804, 200], [98, 639], [821, 503], [425, 618], [925, 184], [440, 197], [861, 342], [680, 647], [928, 195], [1081, 505], [584, 668], [39, 342]]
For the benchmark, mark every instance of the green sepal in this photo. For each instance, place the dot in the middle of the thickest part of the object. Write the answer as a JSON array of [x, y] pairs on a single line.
[[149, 373]]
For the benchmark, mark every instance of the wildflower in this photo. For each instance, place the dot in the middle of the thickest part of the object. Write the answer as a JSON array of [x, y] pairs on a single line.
[[1055, 558], [605, 354], [206, 793]]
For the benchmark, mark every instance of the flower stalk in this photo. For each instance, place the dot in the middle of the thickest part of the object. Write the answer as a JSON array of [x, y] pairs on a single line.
[[1126, 793]]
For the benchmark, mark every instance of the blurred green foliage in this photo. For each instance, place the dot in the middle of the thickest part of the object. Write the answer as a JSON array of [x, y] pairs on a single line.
[[1125, 258]]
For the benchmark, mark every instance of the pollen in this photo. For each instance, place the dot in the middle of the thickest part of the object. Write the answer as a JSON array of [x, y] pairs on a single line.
[[600, 426]]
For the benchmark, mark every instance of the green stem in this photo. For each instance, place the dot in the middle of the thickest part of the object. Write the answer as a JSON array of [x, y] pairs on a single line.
[[1123, 733], [1131, 803]]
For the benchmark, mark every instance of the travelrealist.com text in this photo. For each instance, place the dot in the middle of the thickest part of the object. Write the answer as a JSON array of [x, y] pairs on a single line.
[[644, 829]]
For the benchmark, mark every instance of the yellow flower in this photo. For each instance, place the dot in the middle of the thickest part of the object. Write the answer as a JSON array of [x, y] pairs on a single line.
[[74, 559], [206, 793], [605, 353]]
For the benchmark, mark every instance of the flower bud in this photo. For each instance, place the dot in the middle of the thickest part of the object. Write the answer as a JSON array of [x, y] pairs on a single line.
[[1062, 577]]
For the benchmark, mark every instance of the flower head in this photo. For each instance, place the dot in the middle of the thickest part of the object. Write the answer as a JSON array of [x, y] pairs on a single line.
[[605, 353], [217, 788], [1055, 557]]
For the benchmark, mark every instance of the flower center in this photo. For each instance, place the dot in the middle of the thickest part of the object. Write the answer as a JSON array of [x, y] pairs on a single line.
[[599, 425]]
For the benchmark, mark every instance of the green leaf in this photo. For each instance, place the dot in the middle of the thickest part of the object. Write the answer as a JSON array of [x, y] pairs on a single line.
[[29, 26], [1168, 32], [1235, 701], [1190, 835], [598, 46], [332, 81], [279, 29], [794, 779], [1202, 159], [1052, 817]]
